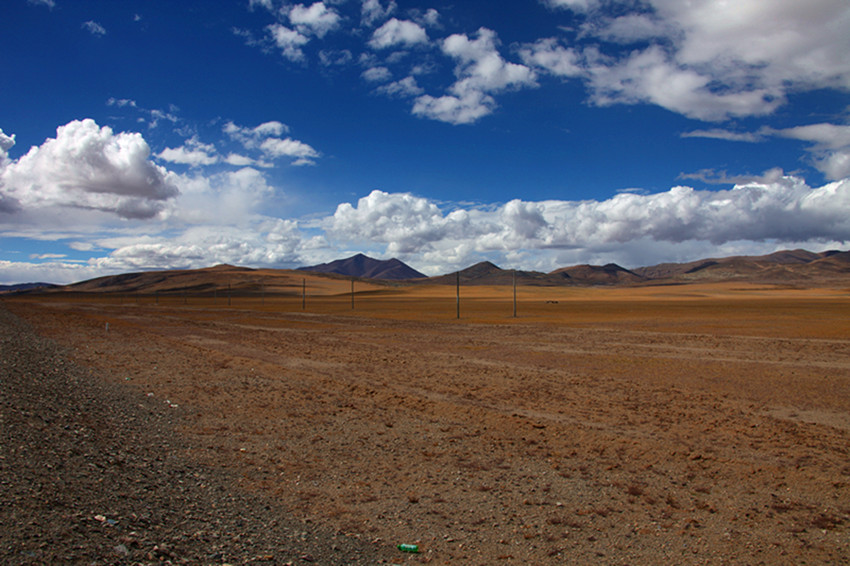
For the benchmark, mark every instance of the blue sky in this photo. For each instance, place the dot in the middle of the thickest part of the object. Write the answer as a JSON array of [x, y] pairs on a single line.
[[159, 134]]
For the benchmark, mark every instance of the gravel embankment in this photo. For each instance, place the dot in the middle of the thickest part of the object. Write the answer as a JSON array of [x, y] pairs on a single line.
[[93, 473]]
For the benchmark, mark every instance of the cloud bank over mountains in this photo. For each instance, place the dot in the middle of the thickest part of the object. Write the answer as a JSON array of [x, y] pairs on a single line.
[[113, 196]]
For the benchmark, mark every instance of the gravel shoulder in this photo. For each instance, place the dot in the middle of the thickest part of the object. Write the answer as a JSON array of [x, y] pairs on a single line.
[[93, 473]]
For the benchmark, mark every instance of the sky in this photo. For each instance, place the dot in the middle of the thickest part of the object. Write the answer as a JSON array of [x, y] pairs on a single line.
[[140, 135]]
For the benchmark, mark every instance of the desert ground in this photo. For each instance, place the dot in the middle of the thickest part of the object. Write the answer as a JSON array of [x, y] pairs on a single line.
[[691, 424]]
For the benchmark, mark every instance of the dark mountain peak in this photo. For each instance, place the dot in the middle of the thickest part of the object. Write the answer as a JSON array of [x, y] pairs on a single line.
[[360, 265], [613, 268], [481, 268]]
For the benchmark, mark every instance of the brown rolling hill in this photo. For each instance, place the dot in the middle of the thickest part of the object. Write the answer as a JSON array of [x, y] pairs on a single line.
[[609, 274], [667, 270], [209, 279], [783, 267], [220, 280]]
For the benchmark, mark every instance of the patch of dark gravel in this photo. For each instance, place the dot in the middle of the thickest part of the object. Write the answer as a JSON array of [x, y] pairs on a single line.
[[93, 473]]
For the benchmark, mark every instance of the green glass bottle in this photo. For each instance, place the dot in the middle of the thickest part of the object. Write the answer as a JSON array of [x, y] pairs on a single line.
[[408, 547]]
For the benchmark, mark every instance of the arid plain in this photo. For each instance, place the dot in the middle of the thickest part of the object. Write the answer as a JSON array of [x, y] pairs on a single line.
[[690, 424]]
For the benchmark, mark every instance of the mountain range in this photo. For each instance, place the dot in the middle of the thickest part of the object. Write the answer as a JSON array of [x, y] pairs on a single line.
[[783, 267], [24, 287], [789, 267]]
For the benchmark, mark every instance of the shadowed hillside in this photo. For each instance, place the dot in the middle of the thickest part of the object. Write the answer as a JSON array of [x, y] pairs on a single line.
[[220, 280], [609, 274], [783, 267]]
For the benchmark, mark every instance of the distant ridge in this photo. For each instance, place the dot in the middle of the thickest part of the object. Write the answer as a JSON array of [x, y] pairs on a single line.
[[25, 287], [782, 267], [787, 267], [486, 273], [368, 268]]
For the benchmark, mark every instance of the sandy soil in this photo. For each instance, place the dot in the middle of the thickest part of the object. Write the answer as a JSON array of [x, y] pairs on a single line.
[[704, 425]]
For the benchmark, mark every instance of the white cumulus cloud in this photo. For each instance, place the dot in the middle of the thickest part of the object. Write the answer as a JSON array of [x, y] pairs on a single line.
[[377, 74], [464, 108], [830, 149], [193, 153], [402, 88], [631, 28], [6, 142], [577, 5], [316, 19], [481, 67], [288, 147], [480, 71], [373, 11], [266, 138], [252, 137], [548, 54], [708, 59], [767, 212], [89, 167], [405, 222], [398, 32], [651, 76], [289, 41], [825, 135]]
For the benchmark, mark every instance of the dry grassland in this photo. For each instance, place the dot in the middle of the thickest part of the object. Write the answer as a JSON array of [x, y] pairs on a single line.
[[683, 424]]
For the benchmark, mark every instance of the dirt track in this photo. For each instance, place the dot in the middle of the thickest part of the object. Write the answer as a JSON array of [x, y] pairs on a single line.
[[622, 440]]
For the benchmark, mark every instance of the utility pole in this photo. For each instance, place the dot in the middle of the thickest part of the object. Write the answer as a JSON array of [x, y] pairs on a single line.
[[457, 292], [514, 293]]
